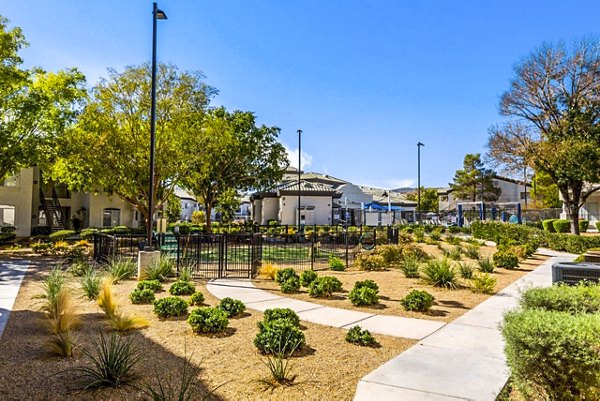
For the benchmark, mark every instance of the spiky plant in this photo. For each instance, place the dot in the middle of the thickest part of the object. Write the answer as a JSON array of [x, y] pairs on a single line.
[[159, 269], [185, 388], [120, 268], [91, 284], [440, 273], [106, 300], [121, 322]]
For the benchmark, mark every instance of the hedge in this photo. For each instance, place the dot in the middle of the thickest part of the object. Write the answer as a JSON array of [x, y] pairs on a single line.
[[583, 225], [549, 225], [562, 226]]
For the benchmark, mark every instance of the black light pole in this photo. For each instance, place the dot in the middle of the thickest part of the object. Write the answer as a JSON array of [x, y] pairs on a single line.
[[156, 15], [419, 144], [299, 172]]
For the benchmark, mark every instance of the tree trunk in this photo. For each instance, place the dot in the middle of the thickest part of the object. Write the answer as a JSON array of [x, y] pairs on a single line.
[[574, 216], [208, 210]]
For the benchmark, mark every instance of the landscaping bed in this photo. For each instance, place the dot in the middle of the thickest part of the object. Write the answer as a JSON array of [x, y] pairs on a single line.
[[329, 368], [394, 286]]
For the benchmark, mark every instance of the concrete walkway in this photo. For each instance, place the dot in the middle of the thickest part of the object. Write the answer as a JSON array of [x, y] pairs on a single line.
[[11, 276], [464, 360], [261, 300]]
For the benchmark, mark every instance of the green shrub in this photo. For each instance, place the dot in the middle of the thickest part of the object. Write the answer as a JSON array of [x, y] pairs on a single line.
[[182, 288], [78, 269], [170, 307], [88, 233], [440, 273], [410, 266], [279, 336], [61, 235], [420, 301], [581, 298], [583, 225], [153, 285], [453, 239], [285, 274], [436, 235], [356, 335], [369, 261], [473, 252], [486, 265], [159, 269], [307, 277], [324, 286], [197, 298], [505, 259], [562, 226], [364, 293], [145, 296], [419, 234], [391, 254], [270, 315], [466, 270], [208, 320], [232, 307], [456, 253], [41, 247], [553, 355], [484, 284], [290, 285], [336, 263], [121, 268], [549, 225]]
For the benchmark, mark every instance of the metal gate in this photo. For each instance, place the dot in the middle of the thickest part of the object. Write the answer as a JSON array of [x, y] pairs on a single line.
[[218, 255]]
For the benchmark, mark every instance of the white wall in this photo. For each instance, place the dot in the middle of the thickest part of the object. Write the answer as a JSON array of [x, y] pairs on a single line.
[[270, 209], [97, 204], [21, 197], [321, 214], [186, 212]]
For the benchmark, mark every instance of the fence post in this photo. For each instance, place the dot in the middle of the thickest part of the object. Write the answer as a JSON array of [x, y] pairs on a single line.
[[346, 235], [312, 251], [177, 236]]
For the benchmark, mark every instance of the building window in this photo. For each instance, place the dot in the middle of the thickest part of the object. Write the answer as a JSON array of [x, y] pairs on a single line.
[[9, 181], [186, 205], [111, 217], [7, 215], [522, 195]]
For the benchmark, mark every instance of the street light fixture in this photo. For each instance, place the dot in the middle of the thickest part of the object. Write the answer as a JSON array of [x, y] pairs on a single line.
[[419, 144], [156, 15]]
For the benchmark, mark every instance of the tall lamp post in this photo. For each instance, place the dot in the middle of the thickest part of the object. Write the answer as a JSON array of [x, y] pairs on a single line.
[[299, 173], [419, 144], [156, 15]]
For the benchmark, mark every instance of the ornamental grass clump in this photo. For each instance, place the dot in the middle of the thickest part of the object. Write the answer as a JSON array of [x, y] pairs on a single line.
[[120, 268], [117, 319], [486, 265], [159, 269], [466, 270], [473, 252], [410, 266], [91, 284], [440, 273], [268, 270]]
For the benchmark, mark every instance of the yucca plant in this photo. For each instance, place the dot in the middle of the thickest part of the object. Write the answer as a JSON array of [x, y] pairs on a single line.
[[159, 269], [120, 268], [111, 363], [486, 265], [440, 273], [466, 270], [91, 284]]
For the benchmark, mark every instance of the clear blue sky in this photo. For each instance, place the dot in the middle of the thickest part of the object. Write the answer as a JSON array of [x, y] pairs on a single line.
[[364, 80]]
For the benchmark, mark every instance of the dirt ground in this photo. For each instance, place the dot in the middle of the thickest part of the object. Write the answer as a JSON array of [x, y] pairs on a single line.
[[393, 286], [329, 370]]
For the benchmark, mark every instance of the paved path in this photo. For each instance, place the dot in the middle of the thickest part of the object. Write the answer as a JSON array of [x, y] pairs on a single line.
[[11, 275], [464, 360], [262, 300]]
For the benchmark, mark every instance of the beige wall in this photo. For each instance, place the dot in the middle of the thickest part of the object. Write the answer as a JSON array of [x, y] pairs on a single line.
[[97, 204], [270, 209], [321, 214], [21, 197], [511, 192]]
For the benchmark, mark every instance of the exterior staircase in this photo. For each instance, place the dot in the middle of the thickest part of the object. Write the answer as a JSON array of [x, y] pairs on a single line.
[[53, 210]]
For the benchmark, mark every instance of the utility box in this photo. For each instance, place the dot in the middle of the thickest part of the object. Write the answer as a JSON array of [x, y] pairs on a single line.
[[573, 273]]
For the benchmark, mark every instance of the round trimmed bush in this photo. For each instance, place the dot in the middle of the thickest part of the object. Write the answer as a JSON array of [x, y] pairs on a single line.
[[170, 307], [307, 277], [145, 296], [562, 226], [279, 337], [336, 263], [506, 259], [290, 285], [368, 284], [583, 225], [271, 315], [360, 296], [208, 320], [324, 286], [356, 335], [197, 298], [232, 307], [284, 275], [153, 285], [420, 301], [548, 225], [182, 288]]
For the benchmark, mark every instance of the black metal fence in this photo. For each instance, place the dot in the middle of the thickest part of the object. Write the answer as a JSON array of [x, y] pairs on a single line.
[[241, 255]]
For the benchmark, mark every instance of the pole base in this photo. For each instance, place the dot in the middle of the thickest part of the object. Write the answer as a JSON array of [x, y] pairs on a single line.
[[145, 259]]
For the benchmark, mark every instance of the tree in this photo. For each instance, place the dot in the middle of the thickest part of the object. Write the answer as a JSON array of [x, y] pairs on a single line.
[[173, 210], [553, 100], [474, 181], [238, 155], [227, 204], [545, 190], [429, 199], [35, 106], [109, 148]]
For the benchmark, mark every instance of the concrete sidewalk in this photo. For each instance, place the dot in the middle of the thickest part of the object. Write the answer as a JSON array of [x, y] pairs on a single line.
[[464, 360], [11, 276], [261, 300]]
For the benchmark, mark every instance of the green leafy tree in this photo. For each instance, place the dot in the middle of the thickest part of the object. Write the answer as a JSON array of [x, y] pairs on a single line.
[[238, 156], [227, 204], [109, 147], [474, 181], [173, 208], [429, 199], [555, 109], [545, 190], [35, 106]]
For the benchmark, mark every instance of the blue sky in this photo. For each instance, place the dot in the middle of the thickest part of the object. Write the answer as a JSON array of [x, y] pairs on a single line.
[[364, 80]]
